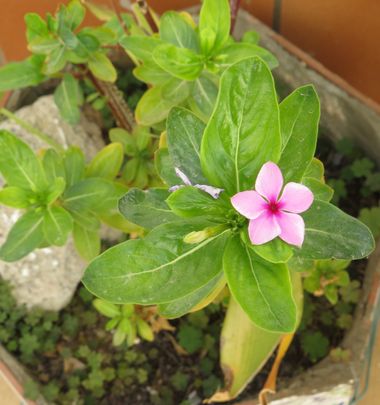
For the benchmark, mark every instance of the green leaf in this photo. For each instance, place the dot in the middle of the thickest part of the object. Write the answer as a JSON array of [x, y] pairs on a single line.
[[203, 97], [245, 348], [53, 165], [87, 242], [184, 136], [330, 233], [157, 269], [234, 53], [320, 190], [261, 288], [275, 251], [18, 163], [106, 308], [190, 202], [315, 170], [251, 37], [151, 73], [107, 162], [179, 62], [147, 208], [243, 132], [152, 107], [69, 97], [92, 194], [85, 220], [299, 117], [75, 14], [141, 47], [16, 197], [54, 190], [25, 236], [74, 165], [56, 60], [165, 167], [182, 306], [101, 67], [57, 225], [175, 30], [17, 75], [371, 217], [214, 23], [43, 46], [175, 90], [35, 26]]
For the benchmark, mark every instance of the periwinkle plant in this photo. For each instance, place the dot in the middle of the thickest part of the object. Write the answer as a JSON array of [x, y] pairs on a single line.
[[198, 243]]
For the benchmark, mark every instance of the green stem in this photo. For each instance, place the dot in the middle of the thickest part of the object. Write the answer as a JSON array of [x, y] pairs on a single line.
[[34, 131]]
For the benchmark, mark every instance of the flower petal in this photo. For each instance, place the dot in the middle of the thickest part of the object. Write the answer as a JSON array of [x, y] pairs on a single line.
[[182, 176], [263, 229], [292, 228], [249, 203], [296, 198], [269, 181], [213, 191]]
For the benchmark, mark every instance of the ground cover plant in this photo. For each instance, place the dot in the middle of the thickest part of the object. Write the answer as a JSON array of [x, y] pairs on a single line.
[[236, 205]]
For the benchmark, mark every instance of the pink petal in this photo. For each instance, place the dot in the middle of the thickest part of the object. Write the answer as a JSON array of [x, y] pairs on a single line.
[[249, 203], [263, 229], [269, 181], [296, 198], [292, 228]]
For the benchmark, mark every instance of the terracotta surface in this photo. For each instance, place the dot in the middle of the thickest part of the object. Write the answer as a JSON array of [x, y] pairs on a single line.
[[343, 34]]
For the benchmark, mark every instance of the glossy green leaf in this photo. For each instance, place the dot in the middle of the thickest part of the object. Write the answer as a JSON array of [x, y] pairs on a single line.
[[203, 97], [243, 132], [190, 202], [16, 197], [25, 236], [74, 165], [57, 225], [299, 117], [175, 90], [92, 194], [101, 67], [184, 137], [175, 30], [17, 75], [315, 170], [182, 306], [275, 251], [234, 53], [107, 162], [87, 242], [261, 288], [320, 190], [85, 220], [214, 25], [152, 107], [43, 46], [165, 167], [147, 208], [179, 62], [330, 233], [156, 269], [69, 97], [18, 164]]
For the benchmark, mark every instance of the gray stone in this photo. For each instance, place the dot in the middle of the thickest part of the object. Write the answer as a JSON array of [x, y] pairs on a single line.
[[46, 278]]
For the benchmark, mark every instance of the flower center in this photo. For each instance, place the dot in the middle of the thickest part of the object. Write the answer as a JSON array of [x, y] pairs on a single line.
[[273, 207]]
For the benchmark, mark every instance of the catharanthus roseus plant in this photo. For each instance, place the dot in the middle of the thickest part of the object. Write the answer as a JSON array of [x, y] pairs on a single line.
[[254, 241]]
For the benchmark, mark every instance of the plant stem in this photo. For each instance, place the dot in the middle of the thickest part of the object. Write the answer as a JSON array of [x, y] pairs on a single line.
[[34, 131], [119, 108], [234, 6]]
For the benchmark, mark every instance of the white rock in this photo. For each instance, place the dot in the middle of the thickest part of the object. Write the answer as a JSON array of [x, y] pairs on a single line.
[[46, 278]]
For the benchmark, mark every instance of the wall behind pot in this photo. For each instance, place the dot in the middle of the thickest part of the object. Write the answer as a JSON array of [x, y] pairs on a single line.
[[342, 34]]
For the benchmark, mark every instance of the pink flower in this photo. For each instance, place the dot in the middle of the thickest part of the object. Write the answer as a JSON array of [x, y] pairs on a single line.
[[270, 214]]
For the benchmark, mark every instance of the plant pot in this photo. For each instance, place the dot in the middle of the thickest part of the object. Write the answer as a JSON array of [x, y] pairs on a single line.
[[345, 113]]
